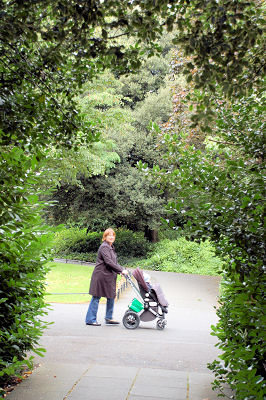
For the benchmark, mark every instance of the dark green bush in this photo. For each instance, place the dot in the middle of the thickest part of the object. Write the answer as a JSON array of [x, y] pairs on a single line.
[[77, 243], [89, 244], [22, 265], [66, 238], [20, 309], [241, 334], [131, 244]]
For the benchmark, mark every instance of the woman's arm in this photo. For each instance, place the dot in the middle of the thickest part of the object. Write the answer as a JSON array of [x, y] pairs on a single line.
[[105, 253]]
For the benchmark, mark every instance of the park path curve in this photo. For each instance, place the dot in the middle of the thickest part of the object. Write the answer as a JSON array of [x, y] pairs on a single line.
[[113, 363]]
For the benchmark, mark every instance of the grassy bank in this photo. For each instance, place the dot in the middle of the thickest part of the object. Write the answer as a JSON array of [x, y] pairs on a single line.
[[68, 278], [64, 279]]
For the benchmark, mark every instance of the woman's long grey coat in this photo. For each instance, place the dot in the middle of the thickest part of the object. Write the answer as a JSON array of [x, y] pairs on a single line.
[[103, 279]]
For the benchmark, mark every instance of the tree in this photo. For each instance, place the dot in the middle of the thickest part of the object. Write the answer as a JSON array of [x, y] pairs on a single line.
[[126, 198], [226, 42], [121, 196], [151, 77], [220, 178], [156, 108], [221, 191]]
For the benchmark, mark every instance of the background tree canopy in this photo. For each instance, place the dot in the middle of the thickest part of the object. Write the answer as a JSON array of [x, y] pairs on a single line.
[[121, 195]]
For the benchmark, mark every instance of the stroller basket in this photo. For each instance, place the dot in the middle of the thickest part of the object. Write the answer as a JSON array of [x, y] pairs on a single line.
[[136, 305]]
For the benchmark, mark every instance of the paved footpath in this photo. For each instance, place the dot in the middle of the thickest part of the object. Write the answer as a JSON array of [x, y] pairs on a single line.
[[113, 363]]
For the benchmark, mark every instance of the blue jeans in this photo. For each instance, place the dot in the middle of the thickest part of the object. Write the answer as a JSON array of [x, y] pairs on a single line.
[[93, 309]]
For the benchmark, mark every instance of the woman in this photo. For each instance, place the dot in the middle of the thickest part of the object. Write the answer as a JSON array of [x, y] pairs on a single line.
[[103, 280]]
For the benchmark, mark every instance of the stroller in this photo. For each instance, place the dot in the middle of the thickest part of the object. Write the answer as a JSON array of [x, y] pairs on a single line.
[[152, 303]]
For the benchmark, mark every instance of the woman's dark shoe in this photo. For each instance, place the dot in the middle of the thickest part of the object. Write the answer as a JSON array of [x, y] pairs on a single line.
[[111, 322], [93, 323]]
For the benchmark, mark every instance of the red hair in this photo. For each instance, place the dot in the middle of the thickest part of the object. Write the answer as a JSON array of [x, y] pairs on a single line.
[[106, 233]]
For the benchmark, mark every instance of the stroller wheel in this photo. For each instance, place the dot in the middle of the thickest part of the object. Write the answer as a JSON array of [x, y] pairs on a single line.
[[131, 320], [161, 324]]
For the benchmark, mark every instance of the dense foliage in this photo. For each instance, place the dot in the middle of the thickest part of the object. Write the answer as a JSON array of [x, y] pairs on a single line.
[[220, 178], [241, 335], [75, 243], [121, 195], [174, 255], [223, 200], [23, 258], [221, 191], [183, 256]]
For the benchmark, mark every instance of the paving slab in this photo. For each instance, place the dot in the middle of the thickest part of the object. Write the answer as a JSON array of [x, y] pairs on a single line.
[[159, 392], [21, 394], [108, 371], [113, 363]]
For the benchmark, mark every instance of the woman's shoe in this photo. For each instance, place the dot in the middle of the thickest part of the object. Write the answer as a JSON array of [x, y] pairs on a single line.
[[111, 322]]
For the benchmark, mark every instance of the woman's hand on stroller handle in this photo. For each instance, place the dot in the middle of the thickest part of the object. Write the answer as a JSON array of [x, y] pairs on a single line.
[[124, 272]]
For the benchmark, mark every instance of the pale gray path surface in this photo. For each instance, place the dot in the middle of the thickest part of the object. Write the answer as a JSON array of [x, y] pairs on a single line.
[[113, 363]]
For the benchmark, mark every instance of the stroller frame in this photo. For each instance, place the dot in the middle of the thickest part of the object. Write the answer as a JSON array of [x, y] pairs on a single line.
[[147, 308]]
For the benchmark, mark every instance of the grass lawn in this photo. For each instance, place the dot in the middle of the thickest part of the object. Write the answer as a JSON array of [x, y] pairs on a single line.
[[68, 278]]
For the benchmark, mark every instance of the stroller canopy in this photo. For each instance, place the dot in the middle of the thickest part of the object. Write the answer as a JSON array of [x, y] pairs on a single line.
[[156, 288], [138, 275]]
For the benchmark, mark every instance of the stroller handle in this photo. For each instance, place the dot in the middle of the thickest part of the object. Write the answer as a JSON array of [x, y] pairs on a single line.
[[134, 287]]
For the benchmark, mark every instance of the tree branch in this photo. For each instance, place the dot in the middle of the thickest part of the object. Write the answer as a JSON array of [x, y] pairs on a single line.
[[229, 143]]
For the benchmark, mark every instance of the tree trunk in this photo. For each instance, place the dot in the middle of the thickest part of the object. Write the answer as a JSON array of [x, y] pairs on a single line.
[[151, 235]]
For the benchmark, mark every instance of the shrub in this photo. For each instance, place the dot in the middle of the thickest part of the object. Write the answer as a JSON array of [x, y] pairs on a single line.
[[241, 335], [78, 243], [21, 306], [183, 256], [131, 244], [89, 244], [65, 238], [22, 260]]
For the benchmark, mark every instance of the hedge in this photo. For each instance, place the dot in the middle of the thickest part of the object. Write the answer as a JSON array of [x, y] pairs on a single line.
[[78, 243]]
